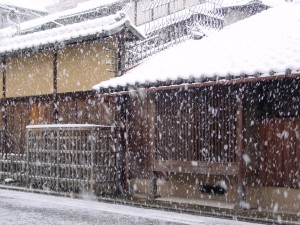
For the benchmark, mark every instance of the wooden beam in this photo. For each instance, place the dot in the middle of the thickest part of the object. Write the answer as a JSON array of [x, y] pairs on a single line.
[[196, 167], [121, 54], [239, 146], [123, 158]]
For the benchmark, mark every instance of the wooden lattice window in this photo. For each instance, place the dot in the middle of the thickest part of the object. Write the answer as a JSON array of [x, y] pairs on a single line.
[[196, 125]]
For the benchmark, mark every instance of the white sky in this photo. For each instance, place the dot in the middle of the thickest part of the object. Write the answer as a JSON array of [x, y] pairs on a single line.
[[38, 4]]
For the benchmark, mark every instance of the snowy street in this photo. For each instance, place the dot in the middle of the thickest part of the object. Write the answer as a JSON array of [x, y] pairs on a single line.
[[29, 208]]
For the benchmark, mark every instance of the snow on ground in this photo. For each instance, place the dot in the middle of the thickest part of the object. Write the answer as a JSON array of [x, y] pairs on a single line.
[[257, 45], [29, 208]]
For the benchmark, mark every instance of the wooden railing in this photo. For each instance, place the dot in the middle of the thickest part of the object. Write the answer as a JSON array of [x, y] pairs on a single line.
[[73, 157]]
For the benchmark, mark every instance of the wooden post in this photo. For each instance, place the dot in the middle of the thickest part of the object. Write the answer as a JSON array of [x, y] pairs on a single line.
[[55, 102], [92, 158], [240, 150], [152, 140], [4, 115], [135, 13], [28, 132], [121, 53], [4, 78], [57, 158], [123, 167]]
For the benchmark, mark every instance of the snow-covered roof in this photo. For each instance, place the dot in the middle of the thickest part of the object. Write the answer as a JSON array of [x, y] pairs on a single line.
[[268, 41], [24, 4], [104, 26], [271, 3], [81, 8]]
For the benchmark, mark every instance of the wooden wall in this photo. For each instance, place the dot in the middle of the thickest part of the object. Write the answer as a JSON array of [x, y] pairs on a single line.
[[2, 69], [85, 107], [141, 133], [72, 108], [197, 124], [19, 114], [181, 125], [280, 152], [271, 124], [200, 124]]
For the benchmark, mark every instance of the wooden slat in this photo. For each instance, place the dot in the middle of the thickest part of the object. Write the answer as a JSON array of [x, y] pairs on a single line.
[[198, 124], [196, 167], [240, 149]]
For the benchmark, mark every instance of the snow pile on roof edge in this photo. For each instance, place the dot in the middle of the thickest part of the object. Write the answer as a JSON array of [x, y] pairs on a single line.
[[105, 25]]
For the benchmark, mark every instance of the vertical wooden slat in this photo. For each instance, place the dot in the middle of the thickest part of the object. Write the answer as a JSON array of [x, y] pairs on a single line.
[[177, 125], [218, 112], [54, 96], [196, 127], [202, 125], [240, 150], [297, 154], [223, 123]]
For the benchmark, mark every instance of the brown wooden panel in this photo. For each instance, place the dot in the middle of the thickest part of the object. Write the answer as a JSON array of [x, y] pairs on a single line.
[[67, 111], [140, 134], [279, 144], [18, 117]]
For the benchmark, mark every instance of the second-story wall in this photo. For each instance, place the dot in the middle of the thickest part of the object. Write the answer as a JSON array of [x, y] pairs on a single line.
[[29, 74], [82, 66], [79, 67]]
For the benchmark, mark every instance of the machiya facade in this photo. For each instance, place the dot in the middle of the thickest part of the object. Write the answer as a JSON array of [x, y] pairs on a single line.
[[233, 142], [216, 121], [52, 83]]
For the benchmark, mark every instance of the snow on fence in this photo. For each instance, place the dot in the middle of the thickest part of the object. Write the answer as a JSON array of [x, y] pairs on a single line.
[[12, 166], [73, 157]]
